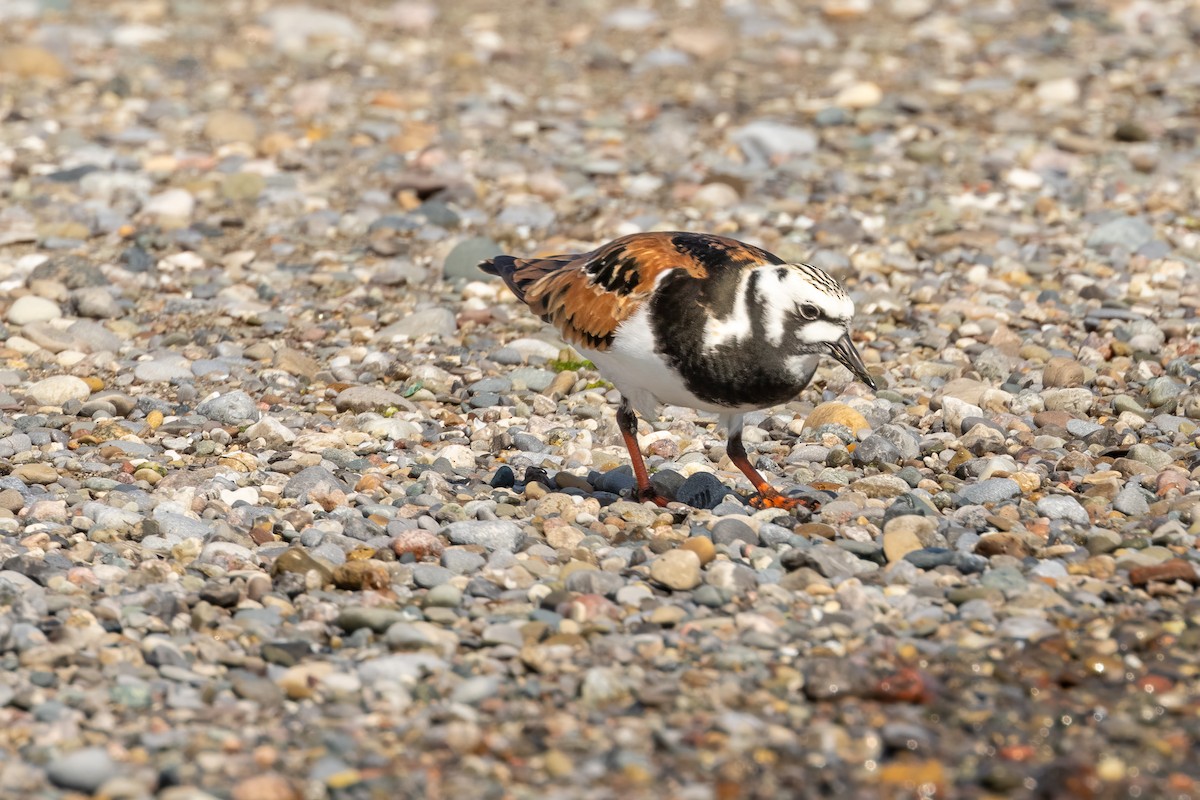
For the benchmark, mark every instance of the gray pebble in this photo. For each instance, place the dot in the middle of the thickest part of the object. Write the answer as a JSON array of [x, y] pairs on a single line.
[[992, 490], [462, 562], [427, 575], [83, 770], [1063, 507], [231, 408], [491, 534]]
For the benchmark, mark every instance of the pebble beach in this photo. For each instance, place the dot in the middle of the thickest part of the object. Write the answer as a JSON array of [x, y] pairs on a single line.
[[297, 504]]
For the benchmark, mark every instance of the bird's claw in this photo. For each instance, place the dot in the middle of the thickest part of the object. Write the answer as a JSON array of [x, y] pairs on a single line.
[[776, 500]]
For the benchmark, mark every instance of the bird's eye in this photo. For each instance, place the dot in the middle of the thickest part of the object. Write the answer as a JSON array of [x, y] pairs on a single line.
[[809, 311]]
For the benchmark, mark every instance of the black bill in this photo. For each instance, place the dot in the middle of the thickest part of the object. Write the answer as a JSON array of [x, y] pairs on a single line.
[[846, 353]]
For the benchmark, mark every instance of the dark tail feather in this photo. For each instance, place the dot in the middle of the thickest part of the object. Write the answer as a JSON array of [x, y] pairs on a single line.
[[519, 274], [505, 267]]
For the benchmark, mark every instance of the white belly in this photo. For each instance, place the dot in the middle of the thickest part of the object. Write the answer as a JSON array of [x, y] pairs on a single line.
[[641, 375]]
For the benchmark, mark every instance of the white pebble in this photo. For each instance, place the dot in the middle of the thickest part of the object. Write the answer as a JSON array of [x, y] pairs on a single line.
[[31, 308]]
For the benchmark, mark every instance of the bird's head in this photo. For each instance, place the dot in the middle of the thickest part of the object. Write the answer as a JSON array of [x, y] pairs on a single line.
[[820, 316]]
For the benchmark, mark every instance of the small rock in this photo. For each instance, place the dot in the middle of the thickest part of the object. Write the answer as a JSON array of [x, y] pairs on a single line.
[[310, 480], [476, 689], [834, 413], [1103, 541], [1057, 92], [899, 541], [225, 125], [173, 205], [267, 786], [827, 560], [428, 322], [35, 473], [992, 490], [766, 143], [83, 770], [490, 534], [273, 432], [362, 575], [859, 95], [1062, 372], [701, 490], [31, 308], [368, 398], [165, 369], [463, 261], [1129, 233], [730, 530], [1133, 501], [1161, 391], [1170, 571], [678, 570], [59, 389], [955, 411], [95, 302], [31, 61], [231, 408], [1149, 455], [420, 544], [1002, 544], [1063, 507], [703, 547], [593, 581], [445, 595], [875, 451]]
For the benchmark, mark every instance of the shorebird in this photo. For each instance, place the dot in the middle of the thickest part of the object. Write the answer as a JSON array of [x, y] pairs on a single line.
[[695, 320]]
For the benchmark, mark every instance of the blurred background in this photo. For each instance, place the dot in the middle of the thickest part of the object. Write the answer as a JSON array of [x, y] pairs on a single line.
[[872, 133]]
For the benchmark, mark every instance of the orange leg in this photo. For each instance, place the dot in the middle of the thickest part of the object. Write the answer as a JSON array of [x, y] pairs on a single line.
[[627, 422], [767, 496]]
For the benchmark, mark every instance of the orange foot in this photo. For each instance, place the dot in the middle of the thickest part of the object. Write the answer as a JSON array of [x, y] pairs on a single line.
[[773, 499]]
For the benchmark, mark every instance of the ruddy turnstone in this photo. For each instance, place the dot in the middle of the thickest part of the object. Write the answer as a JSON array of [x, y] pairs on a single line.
[[694, 320]]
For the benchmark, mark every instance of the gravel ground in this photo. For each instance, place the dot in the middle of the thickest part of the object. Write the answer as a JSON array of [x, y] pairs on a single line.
[[295, 505]]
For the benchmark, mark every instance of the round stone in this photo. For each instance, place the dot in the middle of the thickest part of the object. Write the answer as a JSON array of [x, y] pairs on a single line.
[[59, 389], [678, 570], [32, 308]]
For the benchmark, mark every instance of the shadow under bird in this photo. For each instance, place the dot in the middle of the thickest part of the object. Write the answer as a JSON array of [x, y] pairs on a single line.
[[695, 320]]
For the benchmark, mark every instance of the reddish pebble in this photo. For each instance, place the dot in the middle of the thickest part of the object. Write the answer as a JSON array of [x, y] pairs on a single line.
[[1172, 479], [1167, 572], [423, 545], [905, 685]]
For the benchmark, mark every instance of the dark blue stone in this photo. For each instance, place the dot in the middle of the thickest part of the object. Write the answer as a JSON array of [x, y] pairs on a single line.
[[702, 490]]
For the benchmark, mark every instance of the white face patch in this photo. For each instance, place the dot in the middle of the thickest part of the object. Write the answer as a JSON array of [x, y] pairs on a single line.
[[821, 331], [797, 287], [737, 325]]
